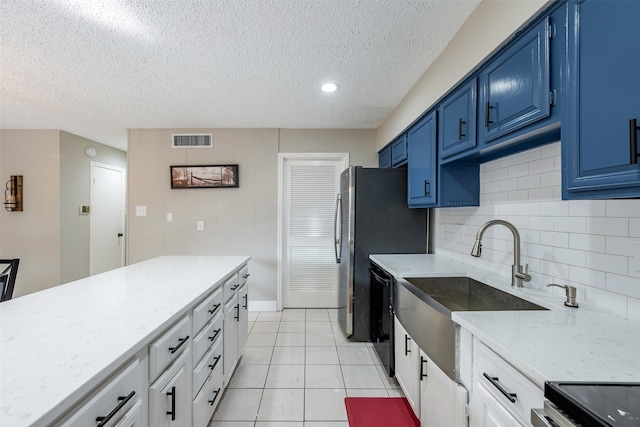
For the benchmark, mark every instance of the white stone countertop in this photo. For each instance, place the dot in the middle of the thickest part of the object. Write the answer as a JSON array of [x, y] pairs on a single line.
[[561, 344], [58, 344]]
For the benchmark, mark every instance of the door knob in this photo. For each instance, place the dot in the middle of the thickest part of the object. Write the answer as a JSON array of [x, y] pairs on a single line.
[[120, 234]]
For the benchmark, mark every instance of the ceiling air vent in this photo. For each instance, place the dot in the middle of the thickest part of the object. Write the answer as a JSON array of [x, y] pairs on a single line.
[[192, 140]]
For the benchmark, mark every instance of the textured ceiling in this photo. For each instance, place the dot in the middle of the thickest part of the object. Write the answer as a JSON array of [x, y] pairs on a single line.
[[96, 68]]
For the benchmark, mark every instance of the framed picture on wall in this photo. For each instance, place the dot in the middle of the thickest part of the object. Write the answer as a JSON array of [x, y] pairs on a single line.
[[209, 176]]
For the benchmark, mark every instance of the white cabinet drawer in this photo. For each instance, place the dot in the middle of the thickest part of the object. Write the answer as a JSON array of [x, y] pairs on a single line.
[[111, 402], [243, 275], [211, 361], [207, 310], [168, 347], [230, 286], [515, 392], [206, 401], [210, 334]]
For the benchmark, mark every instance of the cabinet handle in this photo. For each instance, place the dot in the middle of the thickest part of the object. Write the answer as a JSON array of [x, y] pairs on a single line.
[[215, 308], [180, 342], [633, 140], [216, 332], [460, 124], [172, 412], [237, 316], [406, 344], [487, 109], [215, 396], [246, 275], [217, 359], [496, 383], [427, 187], [423, 364], [245, 305], [233, 288], [102, 421]]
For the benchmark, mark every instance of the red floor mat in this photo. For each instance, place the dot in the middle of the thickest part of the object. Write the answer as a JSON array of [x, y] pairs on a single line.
[[380, 412]]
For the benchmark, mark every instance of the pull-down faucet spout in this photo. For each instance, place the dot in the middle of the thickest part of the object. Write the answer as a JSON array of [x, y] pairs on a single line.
[[517, 275]]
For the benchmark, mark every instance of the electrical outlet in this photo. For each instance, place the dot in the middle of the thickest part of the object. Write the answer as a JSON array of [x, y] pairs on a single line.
[[636, 258], [169, 217], [141, 211], [200, 225]]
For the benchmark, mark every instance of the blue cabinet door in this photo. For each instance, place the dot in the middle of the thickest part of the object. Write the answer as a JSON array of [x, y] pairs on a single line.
[[515, 87], [457, 120], [384, 157], [603, 99], [422, 185], [399, 151]]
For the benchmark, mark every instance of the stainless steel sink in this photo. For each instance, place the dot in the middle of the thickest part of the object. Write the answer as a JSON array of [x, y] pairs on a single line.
[[424, 307], [465, 294]]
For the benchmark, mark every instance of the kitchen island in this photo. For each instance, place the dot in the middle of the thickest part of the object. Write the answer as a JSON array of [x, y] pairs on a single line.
[[60, 345]]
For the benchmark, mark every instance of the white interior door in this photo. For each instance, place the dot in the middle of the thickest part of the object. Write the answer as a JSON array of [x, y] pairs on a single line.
[[309, 273], [107, 218]]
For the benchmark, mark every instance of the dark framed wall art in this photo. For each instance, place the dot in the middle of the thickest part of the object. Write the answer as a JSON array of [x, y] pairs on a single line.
[[207, 176]]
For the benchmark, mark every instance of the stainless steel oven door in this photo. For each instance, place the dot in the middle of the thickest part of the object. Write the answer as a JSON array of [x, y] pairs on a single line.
[[550, 416]]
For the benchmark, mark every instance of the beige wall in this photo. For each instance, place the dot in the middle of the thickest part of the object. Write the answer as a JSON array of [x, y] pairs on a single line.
[[237, 221], [49, 236], [488, 26], [75, 190], [32, 235]]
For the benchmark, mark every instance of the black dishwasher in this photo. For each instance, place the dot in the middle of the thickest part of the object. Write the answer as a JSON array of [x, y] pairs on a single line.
[[382, 316]]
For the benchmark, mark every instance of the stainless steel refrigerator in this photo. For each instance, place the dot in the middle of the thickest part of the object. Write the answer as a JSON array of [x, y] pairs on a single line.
[[372, 217]]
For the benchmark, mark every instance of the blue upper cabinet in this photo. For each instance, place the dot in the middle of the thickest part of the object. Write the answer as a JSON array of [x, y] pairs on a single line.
[[422, 185], [457, 120], [515, 86], [384, 157], [399, 151], [600, 134]]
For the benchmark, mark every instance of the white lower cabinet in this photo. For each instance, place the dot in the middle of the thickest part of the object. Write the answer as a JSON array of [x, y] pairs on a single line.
[[443, 402], [170, 395], [243, 321], [407, 355], [502, 395], [231, 316]]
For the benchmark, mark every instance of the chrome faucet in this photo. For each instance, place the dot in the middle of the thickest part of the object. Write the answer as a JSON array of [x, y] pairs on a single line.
[[517, 275]]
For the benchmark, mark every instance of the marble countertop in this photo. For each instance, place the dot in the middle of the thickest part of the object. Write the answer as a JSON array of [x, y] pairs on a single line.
[[561, 344], [58, 344]]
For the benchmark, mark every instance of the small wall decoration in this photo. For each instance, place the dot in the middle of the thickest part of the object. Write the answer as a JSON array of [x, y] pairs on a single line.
[[209, 176]]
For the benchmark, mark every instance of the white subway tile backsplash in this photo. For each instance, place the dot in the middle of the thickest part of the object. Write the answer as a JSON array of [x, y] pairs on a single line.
[[608, 226], [587, 243], [629, 286]]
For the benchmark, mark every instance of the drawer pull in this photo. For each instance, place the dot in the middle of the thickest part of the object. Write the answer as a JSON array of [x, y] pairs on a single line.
[[406, 344], [233, 288], [217, 359], [102, 421], [496, 383], [633, 140], [215, 334], [215, 397], [215, 308], [245, 305], [237, 316], [244, 276], [461, 123], [181, 341], [172, 412], [423, 364], [487, 109]]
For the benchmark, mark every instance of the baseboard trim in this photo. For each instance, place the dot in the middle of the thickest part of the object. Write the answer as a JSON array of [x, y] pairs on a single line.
[[263, 306]]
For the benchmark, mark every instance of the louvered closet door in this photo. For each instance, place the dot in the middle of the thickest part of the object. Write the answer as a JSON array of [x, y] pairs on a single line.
[[310, 272]]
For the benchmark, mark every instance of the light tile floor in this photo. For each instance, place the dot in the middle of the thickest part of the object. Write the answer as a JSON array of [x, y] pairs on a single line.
[[296, 370]]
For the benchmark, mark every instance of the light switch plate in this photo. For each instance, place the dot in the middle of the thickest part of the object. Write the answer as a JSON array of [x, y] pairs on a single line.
[[169, 217], [200, 225], [141, 211]]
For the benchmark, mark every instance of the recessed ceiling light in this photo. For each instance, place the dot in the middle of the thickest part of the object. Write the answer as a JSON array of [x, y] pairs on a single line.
[[330, 87]]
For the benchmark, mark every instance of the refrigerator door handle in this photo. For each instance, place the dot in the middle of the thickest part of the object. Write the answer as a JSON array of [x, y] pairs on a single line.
[[337, 233]]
